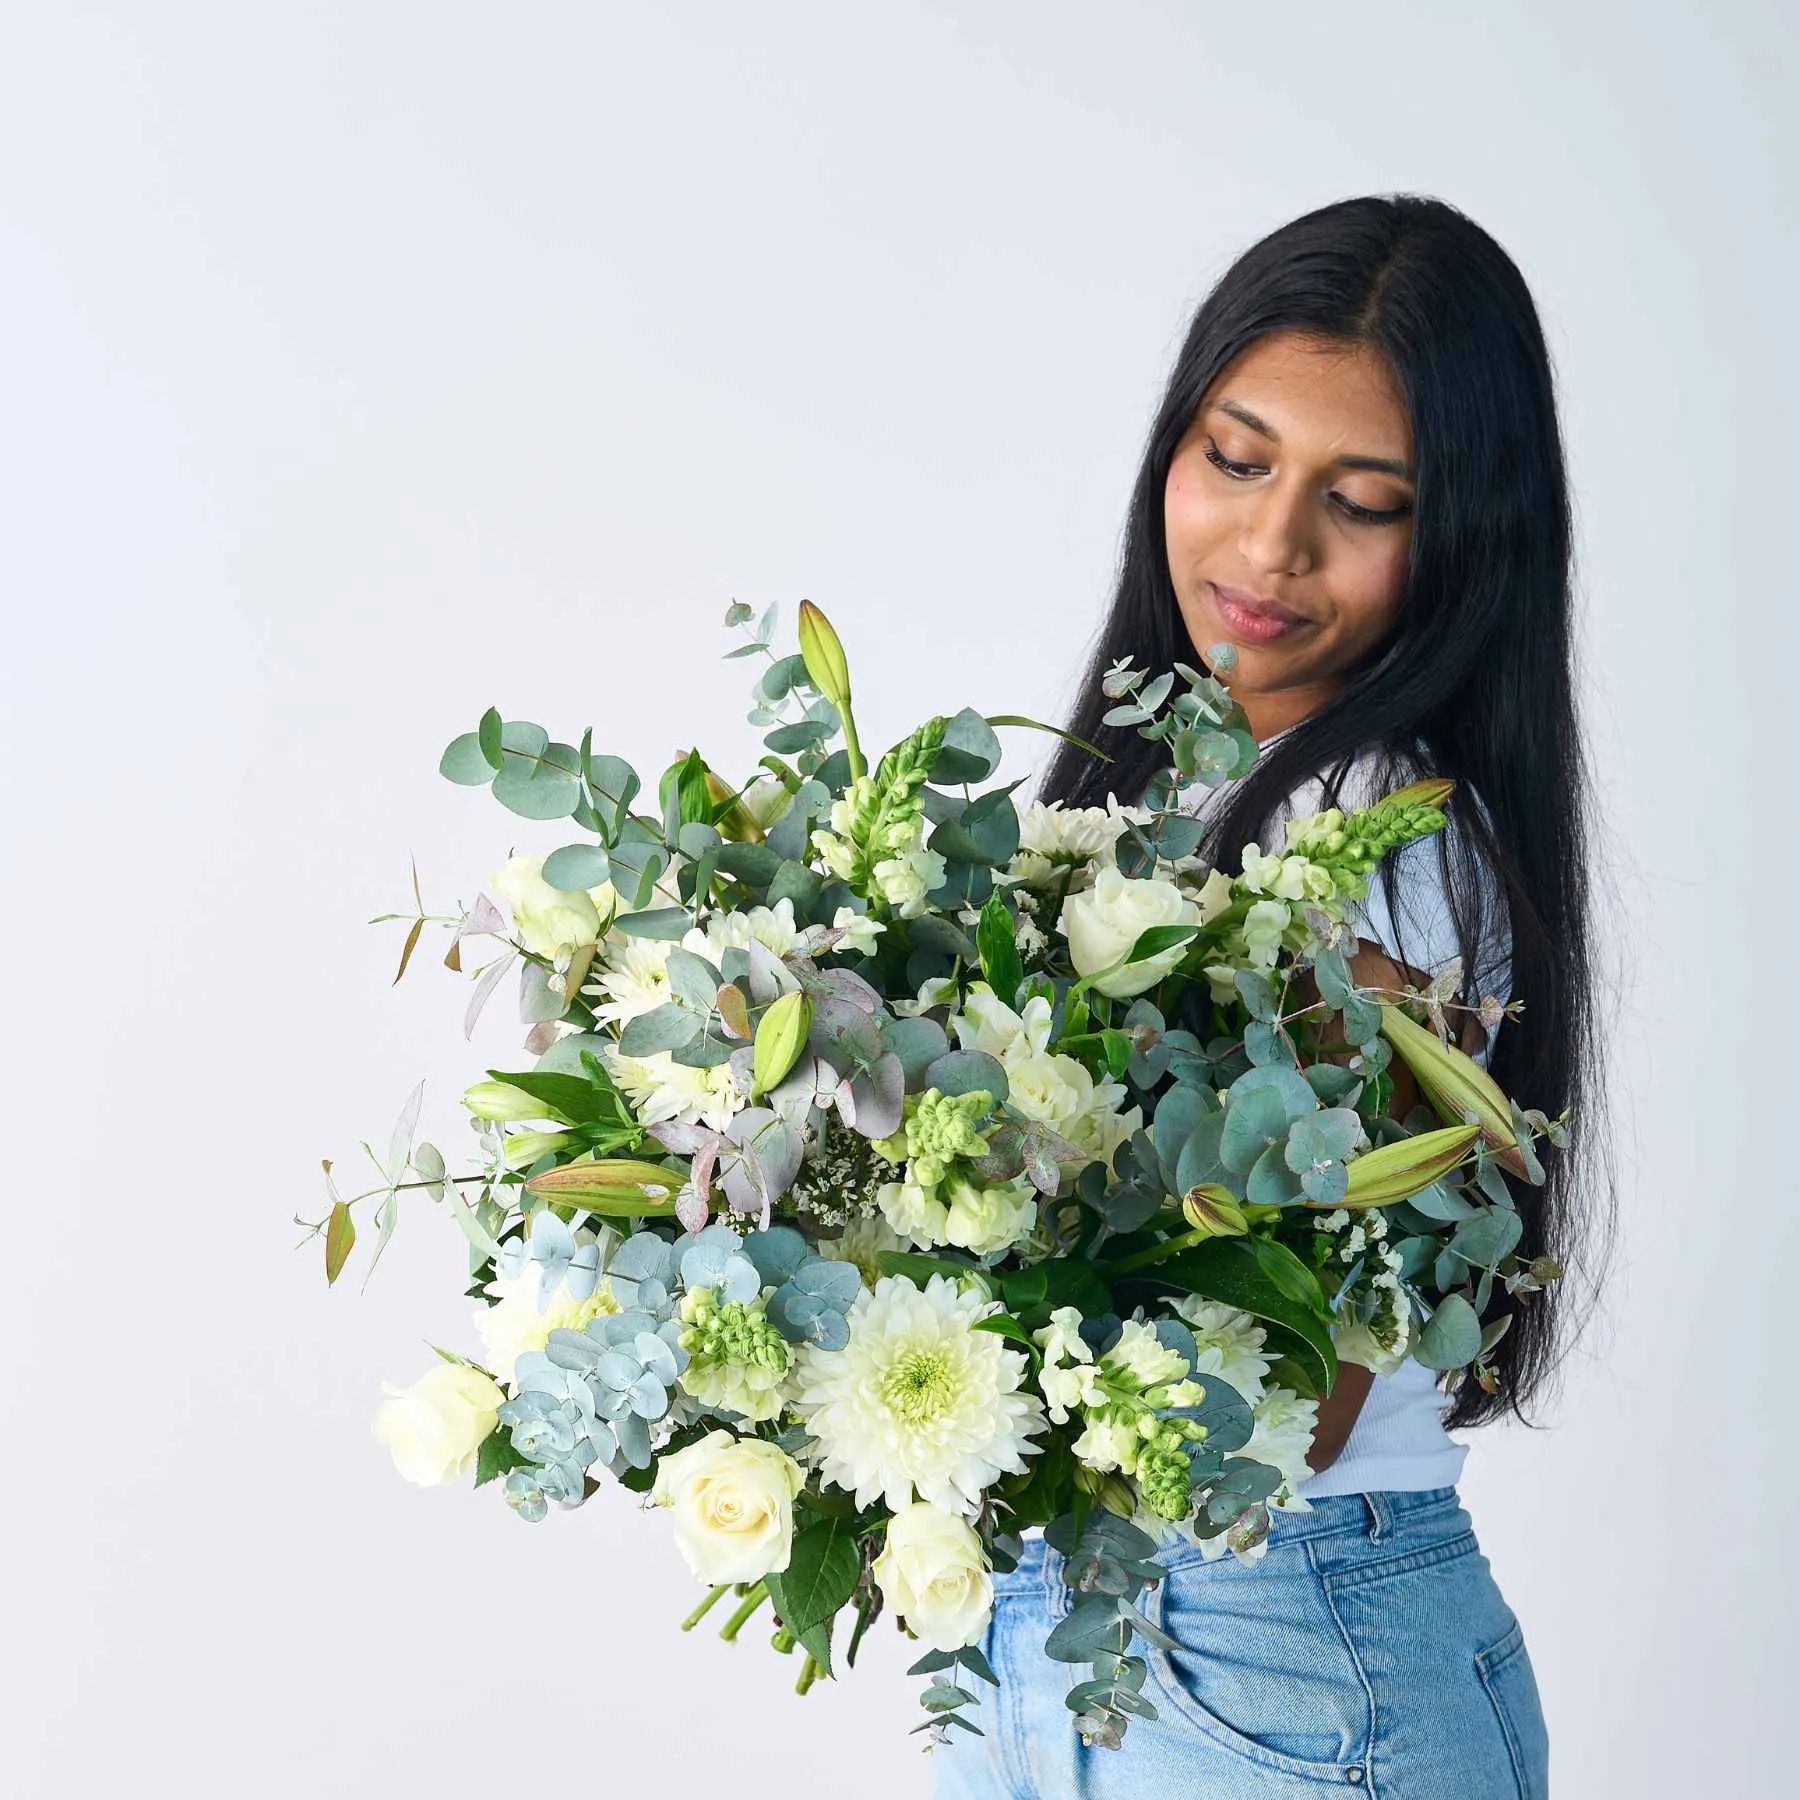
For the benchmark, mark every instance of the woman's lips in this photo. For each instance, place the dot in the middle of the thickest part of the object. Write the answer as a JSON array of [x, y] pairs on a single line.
[[1261, 621]]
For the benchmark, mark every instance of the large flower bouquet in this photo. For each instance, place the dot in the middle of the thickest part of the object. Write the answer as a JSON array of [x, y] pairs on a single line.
[[896, 1168]]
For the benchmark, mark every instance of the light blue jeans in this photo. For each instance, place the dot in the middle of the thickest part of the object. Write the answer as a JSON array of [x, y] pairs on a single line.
[[1370, 1651]]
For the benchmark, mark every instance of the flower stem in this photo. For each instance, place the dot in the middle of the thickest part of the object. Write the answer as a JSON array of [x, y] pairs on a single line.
[[736, 1622], [1155, 1254], [705, 1606], [809, 1673]]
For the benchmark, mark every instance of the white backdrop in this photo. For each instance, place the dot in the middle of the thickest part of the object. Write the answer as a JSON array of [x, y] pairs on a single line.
[[364, 365]]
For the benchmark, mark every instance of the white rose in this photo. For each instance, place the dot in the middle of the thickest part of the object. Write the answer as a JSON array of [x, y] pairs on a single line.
[[932, 1574], [550, 922], [434, 1428], [734, 1506], [1104, 922]]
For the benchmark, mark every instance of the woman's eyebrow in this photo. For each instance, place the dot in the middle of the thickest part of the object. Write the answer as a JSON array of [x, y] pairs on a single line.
[[1379, 465]]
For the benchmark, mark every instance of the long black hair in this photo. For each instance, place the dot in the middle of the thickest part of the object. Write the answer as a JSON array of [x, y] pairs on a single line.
[[1476, 680]]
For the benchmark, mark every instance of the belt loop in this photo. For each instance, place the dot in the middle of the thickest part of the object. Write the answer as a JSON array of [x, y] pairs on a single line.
[[1381, 1517]]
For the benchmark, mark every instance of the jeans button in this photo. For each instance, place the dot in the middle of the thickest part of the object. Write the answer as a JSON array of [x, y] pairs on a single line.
[[1354, 1774]]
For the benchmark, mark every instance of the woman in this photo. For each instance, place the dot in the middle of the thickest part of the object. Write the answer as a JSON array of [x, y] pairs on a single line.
[[1356, 480]]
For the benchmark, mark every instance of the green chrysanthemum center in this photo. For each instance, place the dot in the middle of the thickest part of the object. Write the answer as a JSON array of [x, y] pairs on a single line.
[[921, 1386]]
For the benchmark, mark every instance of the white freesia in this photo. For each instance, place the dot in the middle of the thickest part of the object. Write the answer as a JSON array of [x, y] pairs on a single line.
[[860, 931], [918, 1404], [733, 1500], [515, 1323], [988, 1024], [551, 921], [914, 1213], [1285, 877], [1265, 924], [434, 1428], [932, 1573], [1104, 922]]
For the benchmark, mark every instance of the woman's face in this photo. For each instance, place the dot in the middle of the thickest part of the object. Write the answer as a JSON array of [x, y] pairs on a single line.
[[1293, 486]]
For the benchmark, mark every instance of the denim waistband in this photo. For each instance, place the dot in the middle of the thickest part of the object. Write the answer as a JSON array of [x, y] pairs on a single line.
[[1376, 1516]]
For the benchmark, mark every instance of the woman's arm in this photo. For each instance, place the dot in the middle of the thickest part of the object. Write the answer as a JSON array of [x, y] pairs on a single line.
[[1370, 966]]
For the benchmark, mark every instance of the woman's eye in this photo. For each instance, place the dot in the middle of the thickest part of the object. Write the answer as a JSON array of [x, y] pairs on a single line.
[[1363, 515], [1368, 515], [1238, 471]]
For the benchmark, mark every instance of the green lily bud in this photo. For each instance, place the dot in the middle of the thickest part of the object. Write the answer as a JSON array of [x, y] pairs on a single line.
[[501, 1100], [823, 653], [780, 1037], [618, 1185], [1214, 1210], [525, 1147], [1455, 1084], [1397, 1171]]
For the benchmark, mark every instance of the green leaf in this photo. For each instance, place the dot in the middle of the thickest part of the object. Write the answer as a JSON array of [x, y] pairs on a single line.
[[820, 1577], [544, 787], [577, 867], [571, 1099], [999, 951], [464, 763], [496, 1456], [490, 736], [1158, 939], [1263, 1278], [1068, 737], [666, 923], [1452, 1335], [970, 751], [340, 1235]]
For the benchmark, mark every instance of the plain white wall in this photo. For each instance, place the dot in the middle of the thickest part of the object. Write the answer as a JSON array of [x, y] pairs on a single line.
[[364, 365]]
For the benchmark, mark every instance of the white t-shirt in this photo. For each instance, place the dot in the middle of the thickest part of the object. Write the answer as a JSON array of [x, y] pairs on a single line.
[[1398, 1441]]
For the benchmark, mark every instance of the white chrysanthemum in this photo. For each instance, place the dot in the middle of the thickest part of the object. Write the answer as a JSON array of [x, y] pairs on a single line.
[[860, 1242], [513, 1324], [1068, 834], [1230, 1344], [771, 926], [1284, 1433], [660, 1088], [917, 1404], [633, 978]]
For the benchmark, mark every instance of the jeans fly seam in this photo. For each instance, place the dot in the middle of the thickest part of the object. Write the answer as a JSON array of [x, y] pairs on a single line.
[[1367, 1757]]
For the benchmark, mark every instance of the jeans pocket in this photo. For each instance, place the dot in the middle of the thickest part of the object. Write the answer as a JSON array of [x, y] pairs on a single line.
[[1261, 1670], [1506, 1673]]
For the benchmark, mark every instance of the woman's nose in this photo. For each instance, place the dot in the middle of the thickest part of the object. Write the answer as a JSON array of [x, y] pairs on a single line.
[[1276, 536]]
